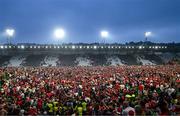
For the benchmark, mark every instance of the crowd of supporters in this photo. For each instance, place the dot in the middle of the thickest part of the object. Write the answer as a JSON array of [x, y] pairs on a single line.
[[121, 90]]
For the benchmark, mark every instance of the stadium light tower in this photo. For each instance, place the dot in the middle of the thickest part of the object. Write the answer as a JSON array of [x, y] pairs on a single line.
[[104, 35], [59, 34], [9, 34], [147, 34]]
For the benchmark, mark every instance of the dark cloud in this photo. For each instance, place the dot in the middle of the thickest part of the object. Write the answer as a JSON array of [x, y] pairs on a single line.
[[34, 20]]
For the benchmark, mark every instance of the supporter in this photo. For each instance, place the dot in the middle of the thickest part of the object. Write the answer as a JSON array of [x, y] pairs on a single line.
[[122, 90], [128, 110]]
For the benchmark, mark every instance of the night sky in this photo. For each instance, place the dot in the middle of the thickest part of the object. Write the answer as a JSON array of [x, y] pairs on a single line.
[[126, 20]]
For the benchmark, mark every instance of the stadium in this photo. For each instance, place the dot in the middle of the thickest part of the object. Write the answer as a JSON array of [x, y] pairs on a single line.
[[141, 53], [89, 57]]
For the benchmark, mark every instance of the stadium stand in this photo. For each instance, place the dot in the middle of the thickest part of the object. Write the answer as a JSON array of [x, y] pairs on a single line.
[[4, 59], [33, 60], [88, 60], [87, 55]]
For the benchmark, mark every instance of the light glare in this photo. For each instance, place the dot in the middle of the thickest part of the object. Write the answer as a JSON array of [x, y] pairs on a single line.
[[10, 32], [147, 34], [59, 33], [2, 47], [140, 47], [73, 47], [95, 47], [22, 47], [104, 34]]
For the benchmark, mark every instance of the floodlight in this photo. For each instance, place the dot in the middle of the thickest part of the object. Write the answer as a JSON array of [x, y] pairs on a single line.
[[104, 34], [80, 47], [10, 32], [156, 47], [39, 47], [102, 47], [5, 47], [58, 47], [87, 47], [34, 46], [30, 46], [109, 47], [59, 33], [46, 47], [95, 47], [73, 47], [140, 47], [22, 47], [119, 46], [2, 47], [9, 46], [147, 34], [149, 46], [65, 46]]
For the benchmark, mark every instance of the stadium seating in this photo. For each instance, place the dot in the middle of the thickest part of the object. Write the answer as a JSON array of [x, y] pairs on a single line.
[[86, 59], [33, 60]]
